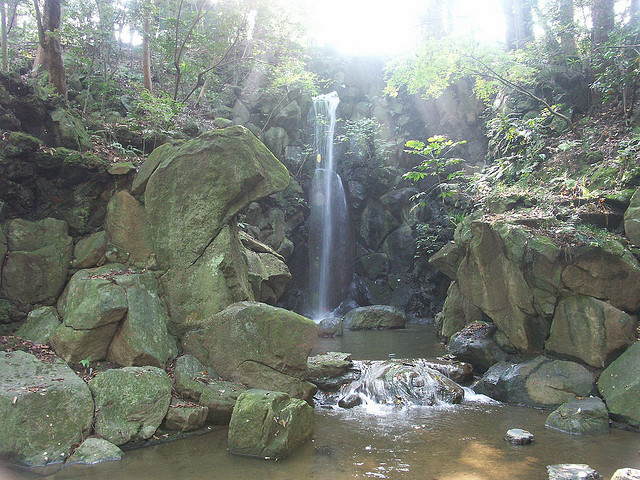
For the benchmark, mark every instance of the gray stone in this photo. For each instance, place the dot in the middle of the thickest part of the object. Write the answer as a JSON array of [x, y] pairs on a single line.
[[185, 417], [540, 382], [572, 471], [330, 327], [143, 337], [37, 262], [632, 219], [328, 370], [475, 344], [90, 251], [448, 259], [580, 416], [130, 402], [127, 228], [269, 425], [518, 436], [45, 409], [91, 307], [276, 139], [257, 345], [201, 384], [457, 312], [619, 385], [95, 450], [590, 330], [400, 247], [626, 474], [40, 325], [374, 317]]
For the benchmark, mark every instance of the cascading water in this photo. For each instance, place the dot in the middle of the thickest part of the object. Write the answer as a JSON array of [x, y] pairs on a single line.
[[330, 256]]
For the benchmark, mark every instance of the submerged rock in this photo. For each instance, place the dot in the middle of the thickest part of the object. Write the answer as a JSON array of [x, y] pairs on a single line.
[[45, 409], [579, 416], [374, 317], [518, 436], [268, 424], [619, 385], [95, 450], [259, 345], [130, 402], [401, 383], [572, 471], [196, 382]]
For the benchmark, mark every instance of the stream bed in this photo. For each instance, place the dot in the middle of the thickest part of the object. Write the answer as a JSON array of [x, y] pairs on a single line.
[[453, 442]]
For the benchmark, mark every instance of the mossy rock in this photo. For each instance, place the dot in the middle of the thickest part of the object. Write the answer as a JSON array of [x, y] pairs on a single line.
[[19, 145]]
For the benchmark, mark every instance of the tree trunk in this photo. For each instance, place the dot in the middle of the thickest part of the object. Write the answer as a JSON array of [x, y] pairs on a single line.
[[519, 23], [634, 13], [50, 43], [4, 40], [146, 54], [603, 17], [563, 19]]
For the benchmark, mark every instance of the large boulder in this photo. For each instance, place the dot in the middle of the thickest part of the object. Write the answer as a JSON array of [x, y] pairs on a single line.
[[457, 312], [540, 382], [91, 307], [130, 402], [608, 272], [375, 224], [200, 185], [448, 259], [201, 384], [90, 251], [268, 275], [632, 219], [331, 370], [491, 276], [475, 344], [619, 385], [269, 424], [37, 262], [257, 344], [143, 337], [400, 247], [45, 409], [216, 280], [580, 416], [127, 228], [590, 330], [374, 317], [185, 416], [40, 325]]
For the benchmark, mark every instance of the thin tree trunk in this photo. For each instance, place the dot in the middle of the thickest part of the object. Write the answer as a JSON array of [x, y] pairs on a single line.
[[4, 40], [48, 24], [564, 20], [146, 54]]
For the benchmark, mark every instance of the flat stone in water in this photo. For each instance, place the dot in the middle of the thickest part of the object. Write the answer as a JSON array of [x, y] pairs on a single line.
[[518, 436], [572, 471]]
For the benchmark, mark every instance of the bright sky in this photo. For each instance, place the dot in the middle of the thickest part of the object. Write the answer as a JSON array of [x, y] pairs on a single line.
[[384, 27]]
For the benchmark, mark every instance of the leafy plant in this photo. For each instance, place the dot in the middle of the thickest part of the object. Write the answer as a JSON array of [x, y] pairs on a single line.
[[436, 163]]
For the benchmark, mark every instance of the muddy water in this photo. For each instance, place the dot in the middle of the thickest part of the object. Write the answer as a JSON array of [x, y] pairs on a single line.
[[461, 442]]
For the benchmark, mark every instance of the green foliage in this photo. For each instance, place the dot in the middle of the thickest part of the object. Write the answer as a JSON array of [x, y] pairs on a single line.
[[436, 163], [429, 239], [362, 139], [85, 362]]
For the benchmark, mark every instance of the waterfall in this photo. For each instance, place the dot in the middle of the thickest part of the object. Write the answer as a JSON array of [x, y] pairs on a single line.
[[330, 257]]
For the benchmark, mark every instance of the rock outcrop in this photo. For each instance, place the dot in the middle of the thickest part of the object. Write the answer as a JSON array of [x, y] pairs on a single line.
[[619, 385], [258, 345]]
